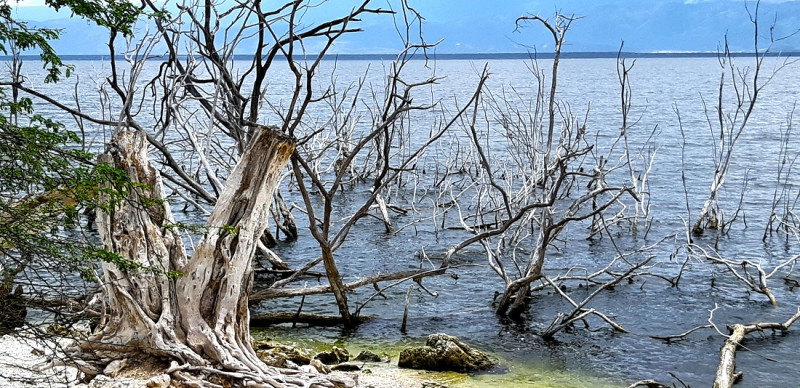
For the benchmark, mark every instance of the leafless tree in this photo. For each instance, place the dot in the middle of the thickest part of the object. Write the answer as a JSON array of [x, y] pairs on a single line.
[[521, 197], [203, 115], [741, 85]]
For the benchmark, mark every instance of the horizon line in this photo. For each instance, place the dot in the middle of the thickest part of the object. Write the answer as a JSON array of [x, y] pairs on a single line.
[[505, 55]]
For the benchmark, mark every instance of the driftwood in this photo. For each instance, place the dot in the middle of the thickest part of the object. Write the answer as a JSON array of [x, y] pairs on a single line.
[[306, 318], [726, 373], [272, 293], [648, 384]]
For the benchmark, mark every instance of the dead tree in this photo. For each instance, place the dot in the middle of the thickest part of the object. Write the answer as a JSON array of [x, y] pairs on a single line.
[[530, 193], [726, 373], [190, 311], [727, 123], [783, 217], [381, 135], [741, 269]]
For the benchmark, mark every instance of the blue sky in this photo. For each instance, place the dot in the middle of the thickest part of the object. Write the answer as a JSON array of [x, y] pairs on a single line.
[[476, 26]]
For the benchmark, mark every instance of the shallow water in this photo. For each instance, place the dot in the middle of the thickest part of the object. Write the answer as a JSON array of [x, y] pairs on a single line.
[[597, 356], [593, 356]]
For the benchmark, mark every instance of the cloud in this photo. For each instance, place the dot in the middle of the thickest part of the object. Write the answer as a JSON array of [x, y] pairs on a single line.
[[30, 3]]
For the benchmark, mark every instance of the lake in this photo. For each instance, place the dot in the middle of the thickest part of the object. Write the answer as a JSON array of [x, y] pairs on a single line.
[[593, 356]]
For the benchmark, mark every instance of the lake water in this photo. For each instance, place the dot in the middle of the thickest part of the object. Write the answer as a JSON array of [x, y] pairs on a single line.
[[583, 357]]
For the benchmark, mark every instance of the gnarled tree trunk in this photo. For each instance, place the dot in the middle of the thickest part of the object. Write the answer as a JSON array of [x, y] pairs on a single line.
[[190, 310]]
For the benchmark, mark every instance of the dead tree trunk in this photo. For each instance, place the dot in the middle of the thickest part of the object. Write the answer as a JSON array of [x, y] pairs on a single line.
[[726, 373], [190, 310]]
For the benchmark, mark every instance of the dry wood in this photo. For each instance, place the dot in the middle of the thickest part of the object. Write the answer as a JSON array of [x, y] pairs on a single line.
[[304, 318], [677, 337], [405, 310], [272, 293], [201, 318], [648, 384], [726, 373]]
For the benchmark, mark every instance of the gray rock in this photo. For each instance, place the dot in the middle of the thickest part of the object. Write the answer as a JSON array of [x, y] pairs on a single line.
[[368, 357], [281, 356], [443, 352], [346, 367], [114, 367], [335, 356]]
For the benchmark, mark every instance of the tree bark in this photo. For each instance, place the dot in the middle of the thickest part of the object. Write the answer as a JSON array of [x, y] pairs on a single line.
[[726, 373], [190, 310]]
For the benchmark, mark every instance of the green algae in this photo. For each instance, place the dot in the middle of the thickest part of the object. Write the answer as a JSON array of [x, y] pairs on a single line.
[[510, 373]]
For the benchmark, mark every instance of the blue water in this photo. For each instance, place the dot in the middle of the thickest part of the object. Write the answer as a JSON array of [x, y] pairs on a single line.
[[648, 306]]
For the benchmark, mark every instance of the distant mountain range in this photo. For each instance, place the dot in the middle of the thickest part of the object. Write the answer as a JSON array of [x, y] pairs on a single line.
[[488, 27]]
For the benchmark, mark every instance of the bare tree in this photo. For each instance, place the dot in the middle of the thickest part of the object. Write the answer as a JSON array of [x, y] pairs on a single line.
[[522, 201], [206, 114], [728, 123]]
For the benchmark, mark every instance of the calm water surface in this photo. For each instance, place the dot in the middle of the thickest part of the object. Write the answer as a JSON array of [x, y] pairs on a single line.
[[595, 356]]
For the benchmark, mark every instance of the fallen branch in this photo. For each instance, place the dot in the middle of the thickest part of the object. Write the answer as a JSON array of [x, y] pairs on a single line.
[[305, 318], [676, 337], [272, 293], [726, 373]]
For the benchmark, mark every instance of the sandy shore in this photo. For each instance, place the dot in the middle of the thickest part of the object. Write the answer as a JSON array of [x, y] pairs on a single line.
[[390, 376], [21, 359]]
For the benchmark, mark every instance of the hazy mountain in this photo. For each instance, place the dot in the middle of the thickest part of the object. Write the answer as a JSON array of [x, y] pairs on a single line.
[[488, 26]]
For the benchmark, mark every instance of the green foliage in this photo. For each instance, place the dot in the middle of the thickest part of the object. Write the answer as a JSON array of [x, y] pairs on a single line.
[[118, 15], [18, 34], [228, 229], [174, 275], [198, 229], [49, 183]]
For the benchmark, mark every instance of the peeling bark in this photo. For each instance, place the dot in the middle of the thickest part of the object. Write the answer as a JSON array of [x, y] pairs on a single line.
[[200, 319], [726, 373]]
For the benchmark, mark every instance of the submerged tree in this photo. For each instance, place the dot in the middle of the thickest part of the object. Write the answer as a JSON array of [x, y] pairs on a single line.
[[742, 86]]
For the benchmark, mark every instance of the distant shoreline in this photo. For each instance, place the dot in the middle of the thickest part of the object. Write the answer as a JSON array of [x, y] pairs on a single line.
[[474, 56]]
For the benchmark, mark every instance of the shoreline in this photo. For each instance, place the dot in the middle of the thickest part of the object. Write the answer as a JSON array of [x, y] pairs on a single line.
[[22, 356]]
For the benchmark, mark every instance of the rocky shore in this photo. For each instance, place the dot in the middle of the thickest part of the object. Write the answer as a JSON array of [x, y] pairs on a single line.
[[22, 358]]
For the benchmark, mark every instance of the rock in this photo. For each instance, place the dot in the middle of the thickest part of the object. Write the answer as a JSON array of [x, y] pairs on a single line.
[[346, 367], [335, 356], [433, 384], [114, 367], [368, 356], [281, 356], [444, 353], [320, 367], [56, 329], [160, 381]]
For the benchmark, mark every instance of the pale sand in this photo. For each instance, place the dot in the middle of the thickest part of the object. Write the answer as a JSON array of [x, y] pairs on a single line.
[[385, 375]]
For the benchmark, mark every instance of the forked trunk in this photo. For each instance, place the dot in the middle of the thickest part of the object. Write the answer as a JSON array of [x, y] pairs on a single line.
[[190, 310]]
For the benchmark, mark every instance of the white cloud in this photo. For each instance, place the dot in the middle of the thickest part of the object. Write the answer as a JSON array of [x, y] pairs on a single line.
[[29, 3]]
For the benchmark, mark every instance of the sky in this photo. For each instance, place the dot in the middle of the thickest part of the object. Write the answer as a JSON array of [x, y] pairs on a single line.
[[481, 26]]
